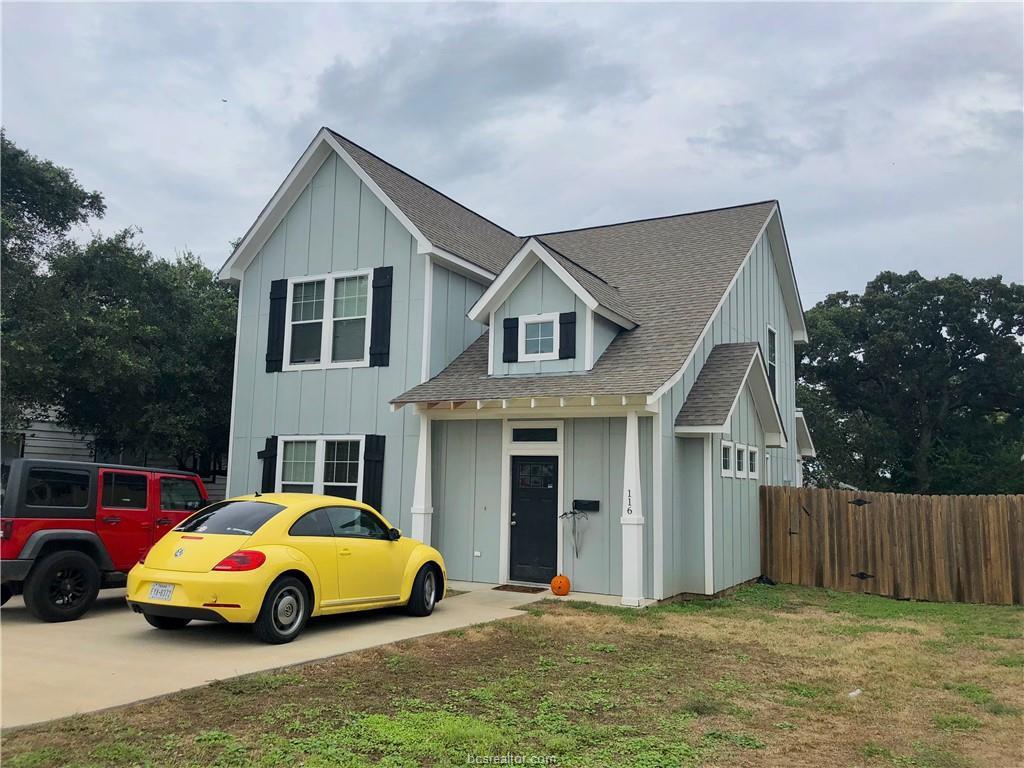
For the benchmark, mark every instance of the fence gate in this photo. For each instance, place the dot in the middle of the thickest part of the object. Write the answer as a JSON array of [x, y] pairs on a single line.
[[941, 548]]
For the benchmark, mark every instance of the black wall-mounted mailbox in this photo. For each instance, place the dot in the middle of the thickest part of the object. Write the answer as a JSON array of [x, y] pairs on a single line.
[[586, 505]]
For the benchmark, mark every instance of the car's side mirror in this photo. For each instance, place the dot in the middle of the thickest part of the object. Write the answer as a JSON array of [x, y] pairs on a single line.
[[394, 534]]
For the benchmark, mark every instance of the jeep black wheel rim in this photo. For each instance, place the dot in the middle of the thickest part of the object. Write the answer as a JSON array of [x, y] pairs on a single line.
[[67, 587]]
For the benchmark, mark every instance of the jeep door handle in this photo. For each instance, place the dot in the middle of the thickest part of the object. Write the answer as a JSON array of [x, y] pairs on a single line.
[[111, 520], [163, 521]]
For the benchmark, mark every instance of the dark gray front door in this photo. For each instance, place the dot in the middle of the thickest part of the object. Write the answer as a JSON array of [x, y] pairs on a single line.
[[533, 554]]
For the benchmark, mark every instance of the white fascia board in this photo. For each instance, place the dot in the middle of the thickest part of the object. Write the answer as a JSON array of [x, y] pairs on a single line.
[[787, 276], [302, 172], [675, 377], [517, 269], [804, 443], [459, 265]]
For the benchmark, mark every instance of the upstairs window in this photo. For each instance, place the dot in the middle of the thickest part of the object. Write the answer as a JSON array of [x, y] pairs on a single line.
[[538, 337], [772, 352], [345, 342]]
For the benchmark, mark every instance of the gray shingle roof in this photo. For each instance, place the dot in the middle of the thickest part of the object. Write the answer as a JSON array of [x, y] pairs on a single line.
[[446, 223], [608, 295], [669, 273], [717, 385]]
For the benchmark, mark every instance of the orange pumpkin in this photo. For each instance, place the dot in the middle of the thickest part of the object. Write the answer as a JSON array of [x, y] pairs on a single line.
[[560, 585]]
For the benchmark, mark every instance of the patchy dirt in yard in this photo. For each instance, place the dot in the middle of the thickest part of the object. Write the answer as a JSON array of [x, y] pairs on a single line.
[[759, 679]]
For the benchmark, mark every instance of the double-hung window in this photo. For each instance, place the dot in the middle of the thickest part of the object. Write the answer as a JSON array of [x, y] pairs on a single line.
[[538, 337], [771, 354], [342, 303], [331, 466]]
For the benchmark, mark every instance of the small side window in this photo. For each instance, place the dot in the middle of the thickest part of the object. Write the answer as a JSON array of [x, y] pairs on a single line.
[[728, 470], [350, 521], [752, 463], [179, 494], [124, 491], [741, 461], [57, 488], [313, 523]]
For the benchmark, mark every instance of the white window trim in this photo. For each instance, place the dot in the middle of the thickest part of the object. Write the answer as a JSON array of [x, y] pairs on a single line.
[[770, 332], [547, 317], [740, 466], [730, 472], [753, 459], [319, 456], [327, 322]]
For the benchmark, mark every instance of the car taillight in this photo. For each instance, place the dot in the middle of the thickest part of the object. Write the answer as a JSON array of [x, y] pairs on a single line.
[[242, 560], [7, 529]]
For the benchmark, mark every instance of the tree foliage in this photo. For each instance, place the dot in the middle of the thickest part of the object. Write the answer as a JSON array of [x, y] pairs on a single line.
[[106, 338], [917, 385]]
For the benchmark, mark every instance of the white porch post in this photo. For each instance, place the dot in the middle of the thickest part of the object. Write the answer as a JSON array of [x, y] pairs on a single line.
[[632, 519], [422, 511]]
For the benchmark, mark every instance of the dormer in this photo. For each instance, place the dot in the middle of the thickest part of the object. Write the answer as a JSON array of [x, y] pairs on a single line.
[[547, 314]]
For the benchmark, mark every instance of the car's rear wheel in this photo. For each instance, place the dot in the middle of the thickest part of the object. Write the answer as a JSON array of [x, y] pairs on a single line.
[[424, 592], [284, 612], [166, 622], [62, 586]]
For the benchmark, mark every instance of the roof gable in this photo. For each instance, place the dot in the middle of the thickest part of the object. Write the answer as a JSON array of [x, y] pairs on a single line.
[[597, 294]]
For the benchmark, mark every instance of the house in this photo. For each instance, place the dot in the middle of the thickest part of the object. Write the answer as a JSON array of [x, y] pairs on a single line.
[[600, 402]]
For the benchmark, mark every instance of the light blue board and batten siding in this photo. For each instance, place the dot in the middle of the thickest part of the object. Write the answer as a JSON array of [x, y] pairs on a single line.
[[335, 225], [451, 331], [466, 464], [540, 291], [754, 301]]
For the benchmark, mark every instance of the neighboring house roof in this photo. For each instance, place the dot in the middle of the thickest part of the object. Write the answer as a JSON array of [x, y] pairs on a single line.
[[712, 400], [671, 273]]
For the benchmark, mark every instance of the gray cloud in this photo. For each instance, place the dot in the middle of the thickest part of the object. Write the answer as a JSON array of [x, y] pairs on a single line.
[[890, 133]]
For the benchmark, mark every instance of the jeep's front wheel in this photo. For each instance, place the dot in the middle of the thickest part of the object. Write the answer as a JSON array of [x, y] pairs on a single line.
[[62, 586]]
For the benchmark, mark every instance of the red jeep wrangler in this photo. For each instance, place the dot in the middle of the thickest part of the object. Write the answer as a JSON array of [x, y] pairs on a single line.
[[68, 528]]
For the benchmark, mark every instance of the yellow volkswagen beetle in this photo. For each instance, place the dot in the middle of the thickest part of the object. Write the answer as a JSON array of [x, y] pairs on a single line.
[[273, 560]]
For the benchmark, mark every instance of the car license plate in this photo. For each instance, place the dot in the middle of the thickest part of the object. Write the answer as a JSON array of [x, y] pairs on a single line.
[[160, 591]]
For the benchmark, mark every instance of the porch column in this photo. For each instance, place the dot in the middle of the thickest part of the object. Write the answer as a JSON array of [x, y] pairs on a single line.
[[422, 511], [632, 519]]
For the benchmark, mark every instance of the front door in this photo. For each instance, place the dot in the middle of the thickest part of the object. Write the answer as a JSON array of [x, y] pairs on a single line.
[[533, 545], [124, 516]]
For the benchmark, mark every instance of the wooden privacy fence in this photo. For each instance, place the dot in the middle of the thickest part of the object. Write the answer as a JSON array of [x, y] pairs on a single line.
[[942, 548]]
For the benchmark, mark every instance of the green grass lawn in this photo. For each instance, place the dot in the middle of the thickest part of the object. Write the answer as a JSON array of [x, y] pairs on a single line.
[[760, 679]]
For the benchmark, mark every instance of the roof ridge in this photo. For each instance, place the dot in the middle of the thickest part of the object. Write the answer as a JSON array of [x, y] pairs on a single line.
[[420, 181], [577, 264], [655, 218]]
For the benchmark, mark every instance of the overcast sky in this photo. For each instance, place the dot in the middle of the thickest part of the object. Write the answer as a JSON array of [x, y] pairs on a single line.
[[892, 135]]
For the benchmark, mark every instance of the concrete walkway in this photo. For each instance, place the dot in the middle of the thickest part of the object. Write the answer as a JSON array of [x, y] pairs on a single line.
[[112, 656]]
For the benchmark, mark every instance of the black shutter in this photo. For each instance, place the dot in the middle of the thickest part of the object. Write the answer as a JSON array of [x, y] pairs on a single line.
[[566, 335], [380, 323], [269, 458], [510, 351], [275, 333], [373, 471]]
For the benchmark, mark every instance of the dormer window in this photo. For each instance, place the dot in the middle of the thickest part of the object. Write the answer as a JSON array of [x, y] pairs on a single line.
[[538, 337]]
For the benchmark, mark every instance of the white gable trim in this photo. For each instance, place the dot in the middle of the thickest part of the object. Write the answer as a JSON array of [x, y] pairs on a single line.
[[804, 443], [459, 265], [519, 267], [787, 276], [302, 172], [764, 402], [799, 332]]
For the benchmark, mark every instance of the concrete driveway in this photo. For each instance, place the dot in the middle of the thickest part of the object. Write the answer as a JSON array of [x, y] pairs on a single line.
[[112, 656]]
